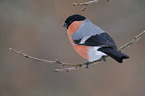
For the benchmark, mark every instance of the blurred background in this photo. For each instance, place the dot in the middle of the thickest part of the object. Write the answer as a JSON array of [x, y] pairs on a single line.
[[35, 27]]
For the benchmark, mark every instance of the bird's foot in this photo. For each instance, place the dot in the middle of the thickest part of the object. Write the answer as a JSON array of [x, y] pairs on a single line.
[[87, 64], [104, 58]]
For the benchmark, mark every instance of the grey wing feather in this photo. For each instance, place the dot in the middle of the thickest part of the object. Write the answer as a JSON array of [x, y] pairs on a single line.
[[90, 34], [87, 29]]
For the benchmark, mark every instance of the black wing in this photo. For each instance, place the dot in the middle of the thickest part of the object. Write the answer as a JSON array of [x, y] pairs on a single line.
[[102, 39]]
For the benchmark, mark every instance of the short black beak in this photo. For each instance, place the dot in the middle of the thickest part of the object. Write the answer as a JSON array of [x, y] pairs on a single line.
[[65, 25]]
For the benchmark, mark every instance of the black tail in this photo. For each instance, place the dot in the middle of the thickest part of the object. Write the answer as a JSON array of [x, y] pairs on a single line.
[[114, 53]]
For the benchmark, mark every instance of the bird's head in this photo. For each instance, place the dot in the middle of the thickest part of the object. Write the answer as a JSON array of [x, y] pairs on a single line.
[[73, 18]]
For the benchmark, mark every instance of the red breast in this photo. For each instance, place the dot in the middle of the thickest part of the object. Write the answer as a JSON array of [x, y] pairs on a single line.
[[80, 49]]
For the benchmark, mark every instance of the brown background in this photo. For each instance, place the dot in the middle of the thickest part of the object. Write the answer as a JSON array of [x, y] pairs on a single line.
[[35, 27]]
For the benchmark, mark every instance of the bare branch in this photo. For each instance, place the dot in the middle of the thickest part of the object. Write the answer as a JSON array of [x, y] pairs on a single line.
[[76, 66], [85, 4], [56, 61], [136, 38], [34, 58]]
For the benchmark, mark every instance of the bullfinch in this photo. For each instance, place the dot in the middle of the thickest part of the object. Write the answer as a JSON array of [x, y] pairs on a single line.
[[90, 41]]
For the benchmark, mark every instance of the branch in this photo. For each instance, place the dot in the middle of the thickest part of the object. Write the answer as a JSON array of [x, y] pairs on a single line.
[[85, 4], [56, 61], [136, 38], [77, 66]]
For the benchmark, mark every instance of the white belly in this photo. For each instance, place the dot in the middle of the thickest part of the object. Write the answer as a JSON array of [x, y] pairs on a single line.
[[94, 54]]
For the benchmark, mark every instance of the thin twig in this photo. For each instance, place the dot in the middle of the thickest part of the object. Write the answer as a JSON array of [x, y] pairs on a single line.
[[34, 58], [76, 66], [85, 4], [136, 38]]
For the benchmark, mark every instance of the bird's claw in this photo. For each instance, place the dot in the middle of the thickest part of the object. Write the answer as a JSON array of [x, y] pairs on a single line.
[[103, 58], [87, 64]]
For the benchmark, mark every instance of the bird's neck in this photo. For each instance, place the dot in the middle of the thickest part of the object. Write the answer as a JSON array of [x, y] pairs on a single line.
[[74, 27]]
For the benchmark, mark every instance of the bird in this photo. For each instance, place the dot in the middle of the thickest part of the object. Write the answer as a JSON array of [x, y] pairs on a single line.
[[90, 41]]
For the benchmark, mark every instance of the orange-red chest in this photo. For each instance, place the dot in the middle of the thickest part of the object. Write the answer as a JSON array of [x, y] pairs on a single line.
[[80, 49]]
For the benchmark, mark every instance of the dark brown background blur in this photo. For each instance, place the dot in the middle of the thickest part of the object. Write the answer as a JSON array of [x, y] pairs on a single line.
[[35, 27]]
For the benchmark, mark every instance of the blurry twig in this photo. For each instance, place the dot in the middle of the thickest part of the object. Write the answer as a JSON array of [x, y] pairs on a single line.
[[56, 61], [136, 38], [76, 66], [85, 4]]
